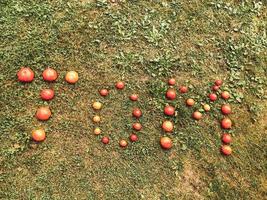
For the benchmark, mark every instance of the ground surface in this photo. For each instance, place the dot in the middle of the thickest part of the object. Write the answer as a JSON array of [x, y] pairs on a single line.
[[142, 43]]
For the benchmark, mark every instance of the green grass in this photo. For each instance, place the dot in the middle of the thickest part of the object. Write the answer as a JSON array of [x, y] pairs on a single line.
[[142, 43]]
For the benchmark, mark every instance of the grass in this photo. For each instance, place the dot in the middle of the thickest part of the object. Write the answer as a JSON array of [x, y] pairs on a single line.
[[142, 43]]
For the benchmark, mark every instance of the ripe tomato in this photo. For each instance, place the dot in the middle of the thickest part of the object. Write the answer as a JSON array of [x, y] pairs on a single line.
[[105, 140], [215, 87], [226, 123], [38, 135], [206, 107], [133, 137], [43, 113], [218, 82], [226, 150], [103, 92], [47, 94], [72, 77], [213, 97], [96, 119], [49, 74], [190, 102], [123, 143], [137, 113], [167, 126], [197, 115], [226, 109], [120, 85], [97, 105], [137, 126], [183, 89], [171, 81], [171, 94], [226, 138], [134, 97], [97, 131], [165, 142], [25, 74], [225, 95], [169, 110]]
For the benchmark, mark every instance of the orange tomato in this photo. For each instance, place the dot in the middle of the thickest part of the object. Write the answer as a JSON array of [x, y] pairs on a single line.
[[43, 113], [49, 74], [167, 126], [190, 102], [72, 77], [166, 142], [38, 135]]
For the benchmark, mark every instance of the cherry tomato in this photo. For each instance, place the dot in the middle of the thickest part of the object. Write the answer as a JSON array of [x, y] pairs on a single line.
[[171, 81], [43, 113], [137, 126], [120, 85], [25, 74], [134, 97], [171, 94], [49, 74], [72, 77], [183, 89], [133, 137], [103, 92], [47, 94], [38, 135], [169, 110], [190, 102], [165, 142], [167, 126], [137, 113]]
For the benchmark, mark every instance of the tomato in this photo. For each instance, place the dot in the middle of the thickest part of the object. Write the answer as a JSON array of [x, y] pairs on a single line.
[[171, 81], [206, 107], [137, 113], [134, 97], [226, 150], [96, 119], [226, 138], [72, 77], [97, 105], [165, 142], [226, 123], [137, 126], [183, 89], [225, 95], [97, 131], [47, 94], [105, 140], [43, 113], [103, 92], [38, 135], [190, 102], [120, 85], [218, 82], [215, 87], [123, 143], [25, 74], [213, 97], [197, 115], [171, 94], [167, 126], [169, 110], [133, 137], [226, 109], [49, 74]]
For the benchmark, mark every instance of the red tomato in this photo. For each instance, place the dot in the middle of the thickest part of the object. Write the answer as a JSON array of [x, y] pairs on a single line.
[[226, 150], [215, 87], [225, 95], [49, 74], [167, 126], [171, 81], [226, 109], [38, 135], [25, 74], [133, 137], [213, 97], [123, 143], [103, 92], [218, 82], [47, 94], [134, 97], [137, 126], [171, 94], [72, 77], [169, 110], [165, 142], [226, 123], [197, 115], [43, 113], [137, 113], [105, 140], [120, 85], [226, 138], [190, 102], [183, 89]]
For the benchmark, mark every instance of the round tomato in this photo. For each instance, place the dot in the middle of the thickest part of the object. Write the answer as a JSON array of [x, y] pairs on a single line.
[[49, 74], [97, 105], [190, 102], [167, 126], [25, 74], [165, 142], [137, 126], [215, 88], [171, 94], [197, 115], [47, 94], [183, 89], [133, 137], [225, 95], [43, 113], [226, 138], [218, 82], [137, 113], [38, 135], [105, 140], [134, 97], [226, 150], [103, 92], [72, 77], [96, 119], [97, 131], [169, 110], [123, 143], [213, 97], [226, 109], [120, 85], [226, 123], [171, 81], [206, 107]]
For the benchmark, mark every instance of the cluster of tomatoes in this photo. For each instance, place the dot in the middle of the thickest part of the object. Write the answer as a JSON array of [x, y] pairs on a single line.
[[43, 113], [136, 113], [169, 110]]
